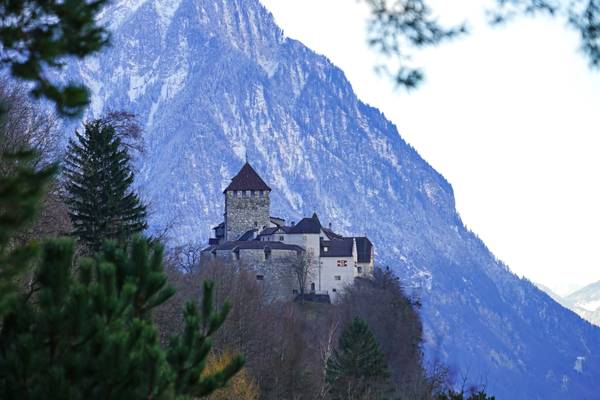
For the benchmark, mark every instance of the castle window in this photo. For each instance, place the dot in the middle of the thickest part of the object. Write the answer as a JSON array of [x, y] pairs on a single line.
[[337, 277], [359, 269], [247, 193], [325, 249], [260, 277], [267, 253], [334, 290], [281, 238], [342, 263]]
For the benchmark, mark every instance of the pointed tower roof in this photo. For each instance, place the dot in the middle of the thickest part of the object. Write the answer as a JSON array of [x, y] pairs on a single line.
[[307, 225], [247, 179]]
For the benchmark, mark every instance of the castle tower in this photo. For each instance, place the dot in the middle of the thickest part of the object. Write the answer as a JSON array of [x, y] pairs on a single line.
[[247, 203]]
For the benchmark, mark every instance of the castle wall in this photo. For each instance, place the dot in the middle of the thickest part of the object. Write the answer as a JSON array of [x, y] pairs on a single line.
[[329, 270], [245, 210]]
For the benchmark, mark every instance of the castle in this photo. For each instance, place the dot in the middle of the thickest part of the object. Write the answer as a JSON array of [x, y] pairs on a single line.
[[251, 235]]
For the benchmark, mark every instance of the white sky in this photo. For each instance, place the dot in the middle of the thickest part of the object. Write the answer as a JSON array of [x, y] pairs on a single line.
[[508, 115]]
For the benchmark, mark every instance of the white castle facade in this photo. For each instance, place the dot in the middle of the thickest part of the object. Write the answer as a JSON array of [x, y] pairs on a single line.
[[249, 234]]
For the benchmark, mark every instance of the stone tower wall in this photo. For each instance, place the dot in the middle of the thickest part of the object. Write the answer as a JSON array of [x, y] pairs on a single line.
[[244, 211]]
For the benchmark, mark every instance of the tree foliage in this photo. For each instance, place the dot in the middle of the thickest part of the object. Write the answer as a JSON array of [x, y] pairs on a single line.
[[581, 15], [357, 368], [240, 387], [98, 181], [36, 36], [20, 194], [394, 319], [24, 126], [397, 28], [475, 395], [303, 269], [288, 360], [83, 328], [89, 334]]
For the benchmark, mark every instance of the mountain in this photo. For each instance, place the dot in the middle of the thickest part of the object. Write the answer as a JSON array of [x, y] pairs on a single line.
[[214, 80], [586, 302], [555, 296]]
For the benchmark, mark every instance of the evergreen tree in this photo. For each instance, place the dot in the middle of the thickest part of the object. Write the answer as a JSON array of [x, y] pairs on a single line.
[[90, 335], [99, 177], [36, 36], [357, 368]]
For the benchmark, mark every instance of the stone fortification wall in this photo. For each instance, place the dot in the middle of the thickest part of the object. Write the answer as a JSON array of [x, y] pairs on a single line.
[[245, 210]]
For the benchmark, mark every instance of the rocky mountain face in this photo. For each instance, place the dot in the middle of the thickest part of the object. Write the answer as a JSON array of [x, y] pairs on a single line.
[[214, 80]]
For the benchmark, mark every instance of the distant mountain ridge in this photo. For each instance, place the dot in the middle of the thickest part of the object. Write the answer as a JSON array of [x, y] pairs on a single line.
[[214, 80], [585, 301]]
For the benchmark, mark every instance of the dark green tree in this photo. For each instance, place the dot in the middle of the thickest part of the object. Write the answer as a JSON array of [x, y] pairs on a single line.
[[36, 36], [98, 176], [84, 329], [89, 334], [357, 368]]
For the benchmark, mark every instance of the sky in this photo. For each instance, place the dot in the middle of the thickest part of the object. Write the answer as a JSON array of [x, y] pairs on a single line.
[[507, 114]]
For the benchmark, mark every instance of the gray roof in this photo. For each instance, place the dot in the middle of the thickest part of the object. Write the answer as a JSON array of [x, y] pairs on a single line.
[[248, 235], [343, 248], [307, 225], [221, 225], [268, 231], [331, 234], [277, 220], [363, 248], [273, 230], [258, 245], [337, 248], [210, 247]]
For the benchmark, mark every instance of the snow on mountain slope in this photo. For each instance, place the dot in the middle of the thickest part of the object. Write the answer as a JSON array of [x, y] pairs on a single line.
[[586, 302], [214, 80]]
